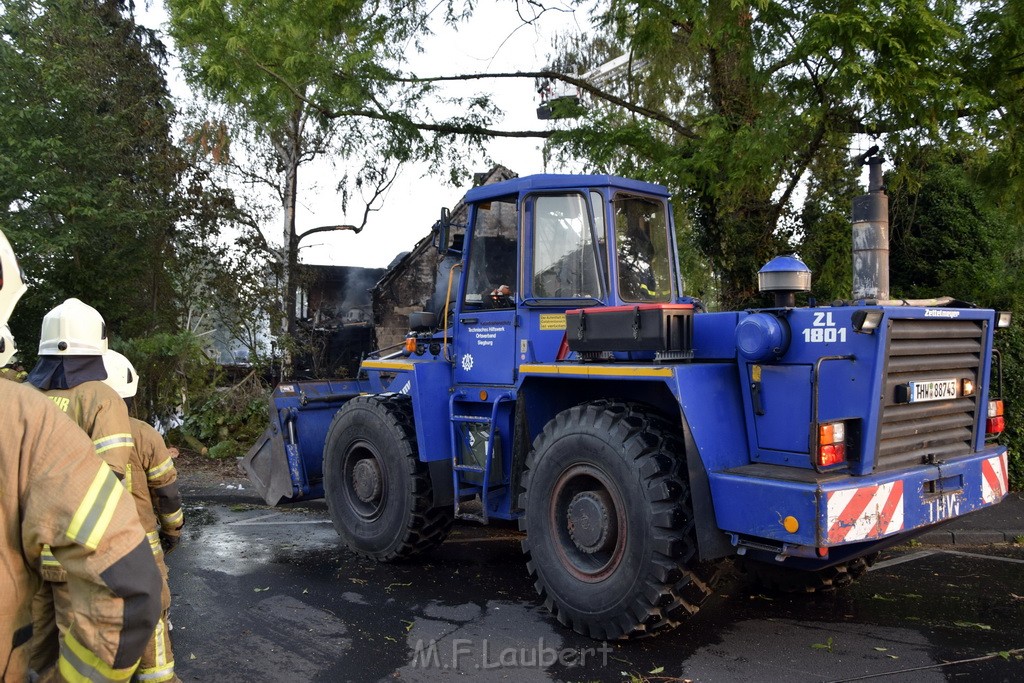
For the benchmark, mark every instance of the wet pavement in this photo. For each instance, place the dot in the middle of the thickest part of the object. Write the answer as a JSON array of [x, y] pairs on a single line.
[[265, 594]]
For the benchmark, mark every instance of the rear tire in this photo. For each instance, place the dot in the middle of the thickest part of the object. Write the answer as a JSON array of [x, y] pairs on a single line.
[[782, 579], [378, 493], [610, 539]]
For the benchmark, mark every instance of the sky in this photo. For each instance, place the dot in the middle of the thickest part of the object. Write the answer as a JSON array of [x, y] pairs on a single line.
[[493, 40]]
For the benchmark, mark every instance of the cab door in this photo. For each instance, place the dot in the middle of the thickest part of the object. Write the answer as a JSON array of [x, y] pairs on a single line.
[[485, 327]]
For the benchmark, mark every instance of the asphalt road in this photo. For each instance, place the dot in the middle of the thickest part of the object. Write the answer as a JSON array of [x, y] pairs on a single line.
[[266, 594]]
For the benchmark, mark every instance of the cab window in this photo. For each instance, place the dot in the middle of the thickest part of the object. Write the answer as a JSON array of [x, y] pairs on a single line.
[[565, 264], [642, 248], [491, 274]]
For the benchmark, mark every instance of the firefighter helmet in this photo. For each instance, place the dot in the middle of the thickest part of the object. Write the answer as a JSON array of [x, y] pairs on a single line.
[[12, 282], [7, 347], [73, 329], [121, 375]]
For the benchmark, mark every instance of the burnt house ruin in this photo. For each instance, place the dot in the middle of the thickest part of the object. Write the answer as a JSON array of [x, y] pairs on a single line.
[[335, 320], [419, 280]]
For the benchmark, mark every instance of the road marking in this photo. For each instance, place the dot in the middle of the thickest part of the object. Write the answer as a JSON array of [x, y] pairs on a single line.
[[920, 555], [983, 557], [255, 521]]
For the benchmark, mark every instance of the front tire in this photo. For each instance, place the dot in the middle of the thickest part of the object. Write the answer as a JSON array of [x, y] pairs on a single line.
[[610, 539], [379, 494]]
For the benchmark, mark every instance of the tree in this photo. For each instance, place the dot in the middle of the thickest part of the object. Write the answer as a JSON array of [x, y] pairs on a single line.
[[265, 60], [89, 173], [735, 104]]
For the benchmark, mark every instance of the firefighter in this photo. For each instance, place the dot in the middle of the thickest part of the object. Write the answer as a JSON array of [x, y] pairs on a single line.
[[7, 351], [70, 372], [12, 286], [152, 480], [57, 492]]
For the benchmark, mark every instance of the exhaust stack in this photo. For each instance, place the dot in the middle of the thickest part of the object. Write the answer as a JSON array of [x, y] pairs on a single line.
[[871, 234]]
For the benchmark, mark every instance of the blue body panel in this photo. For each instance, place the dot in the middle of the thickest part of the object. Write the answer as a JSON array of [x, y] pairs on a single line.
[[305, 410], [752, 425]]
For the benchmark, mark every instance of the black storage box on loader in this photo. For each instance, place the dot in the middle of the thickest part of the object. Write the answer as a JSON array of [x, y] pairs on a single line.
[[662, 328]]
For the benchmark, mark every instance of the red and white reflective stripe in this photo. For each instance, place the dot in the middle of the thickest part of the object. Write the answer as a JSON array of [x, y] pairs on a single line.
[[865, 512], [995, 481]]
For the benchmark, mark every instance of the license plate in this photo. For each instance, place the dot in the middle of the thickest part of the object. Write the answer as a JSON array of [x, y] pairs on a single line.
[[933, 390]]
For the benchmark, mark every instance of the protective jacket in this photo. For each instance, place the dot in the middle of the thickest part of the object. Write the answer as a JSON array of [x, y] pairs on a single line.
[[103, 415], [153, 481], [13, 374], [98, 410], [56, 491]]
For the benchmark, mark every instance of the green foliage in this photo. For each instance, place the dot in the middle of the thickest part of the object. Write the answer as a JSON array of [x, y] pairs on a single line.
[[735, 104], [825, 232], [95, 196], [178, 380], [175, 374], [230, 418], [88, 171]]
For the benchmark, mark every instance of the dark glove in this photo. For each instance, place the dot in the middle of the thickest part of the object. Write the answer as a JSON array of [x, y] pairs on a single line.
[[169, 539]]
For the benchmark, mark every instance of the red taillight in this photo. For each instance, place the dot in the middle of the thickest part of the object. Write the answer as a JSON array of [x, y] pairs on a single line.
[[831, 444], [995, 424]]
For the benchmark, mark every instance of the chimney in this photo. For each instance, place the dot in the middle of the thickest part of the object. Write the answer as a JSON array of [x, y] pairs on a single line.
[[871, 234]]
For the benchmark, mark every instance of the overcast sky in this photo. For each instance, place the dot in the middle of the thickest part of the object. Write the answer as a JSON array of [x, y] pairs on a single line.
[[490, 41]]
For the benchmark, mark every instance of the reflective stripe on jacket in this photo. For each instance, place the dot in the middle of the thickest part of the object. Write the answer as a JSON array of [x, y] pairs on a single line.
[[59, 493]]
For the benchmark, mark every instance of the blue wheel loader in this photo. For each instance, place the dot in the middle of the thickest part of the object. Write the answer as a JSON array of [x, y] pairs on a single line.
[[567, 382]]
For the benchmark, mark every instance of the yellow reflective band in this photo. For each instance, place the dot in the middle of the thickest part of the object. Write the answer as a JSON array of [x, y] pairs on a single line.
[[595, 370], [160, 470], [172, 519], [48, 559], [160, 653], [113, 441], [79, 665], [158, 675], [386, 365], [94, 513], [127, 477]]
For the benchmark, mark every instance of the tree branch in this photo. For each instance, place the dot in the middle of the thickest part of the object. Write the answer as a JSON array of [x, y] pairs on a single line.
[[580, 83]]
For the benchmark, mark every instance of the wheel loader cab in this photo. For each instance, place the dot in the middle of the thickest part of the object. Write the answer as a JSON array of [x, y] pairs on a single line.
[[538, 247]]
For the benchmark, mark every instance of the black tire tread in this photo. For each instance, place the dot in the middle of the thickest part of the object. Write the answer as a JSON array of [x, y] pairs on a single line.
[[427, 526], [676, 583]]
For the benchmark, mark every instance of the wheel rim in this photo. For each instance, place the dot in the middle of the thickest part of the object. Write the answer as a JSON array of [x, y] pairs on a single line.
[[365, 481], [587, 517]]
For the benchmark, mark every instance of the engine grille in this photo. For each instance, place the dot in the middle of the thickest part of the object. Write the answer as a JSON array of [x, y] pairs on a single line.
[[919, 350]]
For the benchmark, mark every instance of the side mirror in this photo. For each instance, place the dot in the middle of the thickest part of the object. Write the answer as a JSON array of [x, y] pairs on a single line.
[[442, 230]]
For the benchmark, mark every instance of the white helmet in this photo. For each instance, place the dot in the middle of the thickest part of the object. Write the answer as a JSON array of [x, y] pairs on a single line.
[[7, 347], [121, 375], [12, 282], [73, 329]]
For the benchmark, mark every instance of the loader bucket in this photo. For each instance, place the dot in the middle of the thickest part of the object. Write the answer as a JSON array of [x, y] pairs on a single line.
[[267, 467]]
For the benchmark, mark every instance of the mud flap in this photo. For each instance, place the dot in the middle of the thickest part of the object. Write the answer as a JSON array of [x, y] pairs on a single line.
[[267, 467]]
